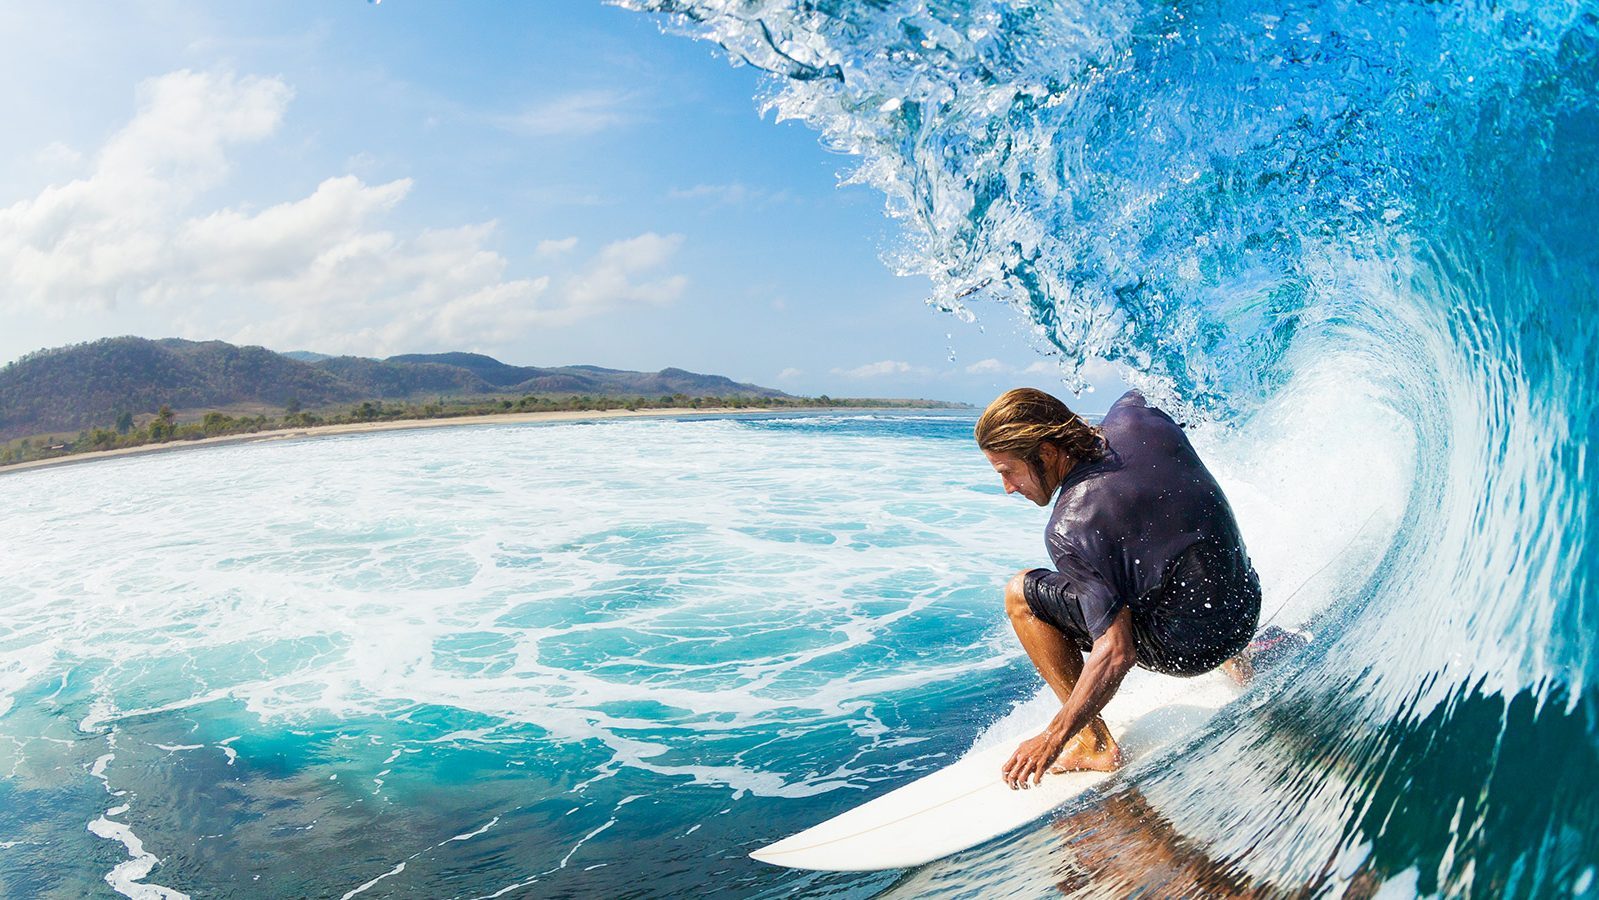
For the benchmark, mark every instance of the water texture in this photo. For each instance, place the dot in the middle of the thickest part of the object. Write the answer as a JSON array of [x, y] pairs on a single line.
[[572, 660], [1370, 212], [1350, 243]]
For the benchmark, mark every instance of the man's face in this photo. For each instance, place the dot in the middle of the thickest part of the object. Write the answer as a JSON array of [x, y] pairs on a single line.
[[1018, 477]]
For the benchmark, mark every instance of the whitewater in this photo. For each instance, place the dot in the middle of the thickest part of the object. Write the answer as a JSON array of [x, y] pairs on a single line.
[[1349, 244], [599, 659]]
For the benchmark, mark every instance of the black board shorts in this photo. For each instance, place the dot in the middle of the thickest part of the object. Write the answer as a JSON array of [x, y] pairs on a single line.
[[1203, 612]]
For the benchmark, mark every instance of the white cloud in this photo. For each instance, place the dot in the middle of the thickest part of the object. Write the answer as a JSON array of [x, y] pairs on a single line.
[[643, 252], [184, 123], [92, 239], [322, 269], [58, 154], [988, 367], [314, 237], [551, 248], [622, 273], [880, 369], [575, 114], [789, 374]]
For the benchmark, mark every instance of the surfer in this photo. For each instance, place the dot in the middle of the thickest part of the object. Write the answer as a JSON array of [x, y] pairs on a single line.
[[1150, 569]]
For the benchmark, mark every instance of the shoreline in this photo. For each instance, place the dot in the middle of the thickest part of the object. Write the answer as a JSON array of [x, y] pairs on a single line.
[[524, 418]]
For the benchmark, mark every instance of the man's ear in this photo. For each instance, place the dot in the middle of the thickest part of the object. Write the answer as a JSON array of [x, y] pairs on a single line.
[[1049, 455], [1048, 459]]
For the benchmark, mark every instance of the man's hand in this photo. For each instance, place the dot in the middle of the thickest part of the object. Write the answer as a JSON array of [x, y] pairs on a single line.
[[1112, 656], [1031, 760]]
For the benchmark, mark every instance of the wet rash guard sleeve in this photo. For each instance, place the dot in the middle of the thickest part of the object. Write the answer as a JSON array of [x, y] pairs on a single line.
[[1074, 598]]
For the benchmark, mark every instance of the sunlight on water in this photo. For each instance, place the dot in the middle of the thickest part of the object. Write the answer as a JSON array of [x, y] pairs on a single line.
[[553, 656], [1351, 244]]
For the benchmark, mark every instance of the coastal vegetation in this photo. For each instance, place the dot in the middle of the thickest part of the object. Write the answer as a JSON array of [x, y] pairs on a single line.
[[85, 386], [127, 392], [164, 426]]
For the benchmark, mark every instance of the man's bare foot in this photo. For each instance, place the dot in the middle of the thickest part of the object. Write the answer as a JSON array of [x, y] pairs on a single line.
[[1240, 669], [1089, 752]]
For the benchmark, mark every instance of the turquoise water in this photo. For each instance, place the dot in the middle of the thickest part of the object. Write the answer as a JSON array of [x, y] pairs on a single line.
[[1352, 243], [570, 660], [1272, 212]]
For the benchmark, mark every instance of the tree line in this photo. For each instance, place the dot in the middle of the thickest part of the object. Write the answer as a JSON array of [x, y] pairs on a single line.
[[164, 427]]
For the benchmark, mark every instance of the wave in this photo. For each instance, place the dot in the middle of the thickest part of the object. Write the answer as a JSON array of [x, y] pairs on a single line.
[[1373, 217]]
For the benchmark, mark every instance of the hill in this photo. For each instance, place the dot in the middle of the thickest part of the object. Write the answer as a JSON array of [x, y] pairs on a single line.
[[68, 389]]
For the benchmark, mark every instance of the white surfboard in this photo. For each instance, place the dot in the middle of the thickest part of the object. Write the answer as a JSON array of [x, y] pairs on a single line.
[[967, 802]]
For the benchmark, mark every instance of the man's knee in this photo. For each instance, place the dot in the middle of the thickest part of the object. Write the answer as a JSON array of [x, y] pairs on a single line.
[[1016, 607]]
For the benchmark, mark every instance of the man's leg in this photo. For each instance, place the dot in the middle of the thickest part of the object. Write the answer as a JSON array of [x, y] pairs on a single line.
[[1270, 646], [1239, 669], [1060, 663]]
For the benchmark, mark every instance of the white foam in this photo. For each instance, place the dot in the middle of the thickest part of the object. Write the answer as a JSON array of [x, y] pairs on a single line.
[[1313, 522], [446, 576], [363, 888], [472, 834], [126, 878]]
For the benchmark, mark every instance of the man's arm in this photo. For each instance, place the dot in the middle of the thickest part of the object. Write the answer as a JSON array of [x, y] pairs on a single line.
[[1108, 663]]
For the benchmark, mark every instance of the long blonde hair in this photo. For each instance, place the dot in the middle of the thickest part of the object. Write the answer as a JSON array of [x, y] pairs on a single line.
[[1022, 420]]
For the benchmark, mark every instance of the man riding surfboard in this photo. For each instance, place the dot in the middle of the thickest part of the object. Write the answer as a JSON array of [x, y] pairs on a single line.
[[1150, 569]]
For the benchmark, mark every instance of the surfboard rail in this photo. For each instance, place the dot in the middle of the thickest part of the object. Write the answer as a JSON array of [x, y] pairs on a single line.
[[968, 803]]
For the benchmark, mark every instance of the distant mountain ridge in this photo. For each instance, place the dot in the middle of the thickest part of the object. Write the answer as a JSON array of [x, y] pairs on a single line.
[[90, 385]]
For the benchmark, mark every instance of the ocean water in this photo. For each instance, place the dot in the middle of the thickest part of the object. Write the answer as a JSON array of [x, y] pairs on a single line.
[[600, 659], [1351, 244], [1273, 212], [595, 659]]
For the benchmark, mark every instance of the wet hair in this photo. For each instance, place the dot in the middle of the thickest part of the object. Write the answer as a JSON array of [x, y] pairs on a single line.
[[1021, 421]]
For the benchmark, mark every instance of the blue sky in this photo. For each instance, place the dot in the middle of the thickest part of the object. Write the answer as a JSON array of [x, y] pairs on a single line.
[[549, 183]]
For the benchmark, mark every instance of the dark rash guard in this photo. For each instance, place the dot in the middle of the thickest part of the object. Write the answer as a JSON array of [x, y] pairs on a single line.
[[1148, 527]]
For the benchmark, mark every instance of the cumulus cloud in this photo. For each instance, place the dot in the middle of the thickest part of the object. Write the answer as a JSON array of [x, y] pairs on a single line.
[[109, 233], [552, 248], [881, 369], [320, 269], [789, 374], [623, 273], [58, 154]]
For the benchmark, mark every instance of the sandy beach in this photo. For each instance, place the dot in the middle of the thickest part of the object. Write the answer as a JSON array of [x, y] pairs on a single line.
[[398, 425]]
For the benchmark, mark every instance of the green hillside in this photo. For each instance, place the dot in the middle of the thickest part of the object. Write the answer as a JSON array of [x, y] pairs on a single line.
[[92, 385]]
